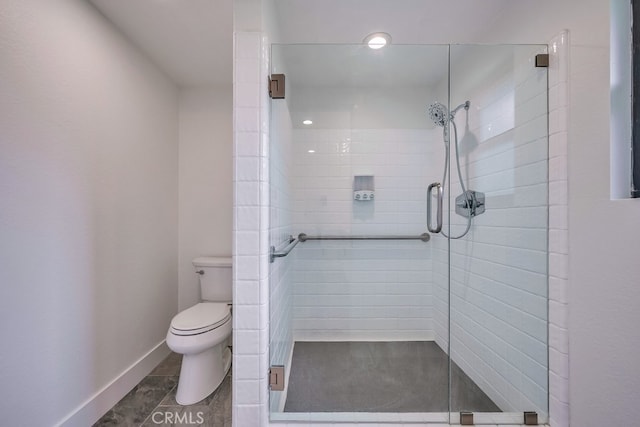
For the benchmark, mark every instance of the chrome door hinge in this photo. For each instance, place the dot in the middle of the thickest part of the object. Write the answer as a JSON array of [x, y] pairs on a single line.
[[276, 378]]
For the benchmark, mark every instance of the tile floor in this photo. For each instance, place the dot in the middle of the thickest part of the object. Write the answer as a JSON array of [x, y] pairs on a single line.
[[402, 376], [325, 377], [152, 402]]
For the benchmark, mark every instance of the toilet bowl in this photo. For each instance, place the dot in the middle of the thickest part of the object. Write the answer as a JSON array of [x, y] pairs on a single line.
[[200, 334]]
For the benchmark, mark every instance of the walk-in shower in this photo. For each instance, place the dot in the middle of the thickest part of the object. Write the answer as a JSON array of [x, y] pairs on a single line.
[[373, 315]]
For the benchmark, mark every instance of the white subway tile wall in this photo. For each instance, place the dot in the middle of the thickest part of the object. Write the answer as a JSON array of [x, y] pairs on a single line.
[[498, 304], [250, 234], [363, 290]]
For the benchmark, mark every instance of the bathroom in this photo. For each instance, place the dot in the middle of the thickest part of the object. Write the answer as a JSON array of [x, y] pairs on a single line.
[[105, 202]]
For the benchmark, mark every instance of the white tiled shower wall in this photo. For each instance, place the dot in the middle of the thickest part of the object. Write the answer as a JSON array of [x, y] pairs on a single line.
[[363, 290], [251, 233], [498, 306], [251, 361]]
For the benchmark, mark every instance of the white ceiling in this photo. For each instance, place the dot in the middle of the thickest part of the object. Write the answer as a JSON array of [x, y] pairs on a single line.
[[356, 65], [191, 40], [408, 21]]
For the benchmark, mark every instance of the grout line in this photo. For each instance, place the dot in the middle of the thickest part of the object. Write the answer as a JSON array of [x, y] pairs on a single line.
[[161, 400]]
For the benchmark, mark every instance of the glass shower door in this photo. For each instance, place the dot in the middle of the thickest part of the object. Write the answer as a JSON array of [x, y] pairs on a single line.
[[498, 256], [357, 319]]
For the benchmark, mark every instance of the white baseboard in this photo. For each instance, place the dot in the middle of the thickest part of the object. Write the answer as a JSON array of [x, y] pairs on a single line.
[[97, 405]]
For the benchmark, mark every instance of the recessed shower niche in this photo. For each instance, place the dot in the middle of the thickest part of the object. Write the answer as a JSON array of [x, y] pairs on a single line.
[[363, 188], [375, 318]]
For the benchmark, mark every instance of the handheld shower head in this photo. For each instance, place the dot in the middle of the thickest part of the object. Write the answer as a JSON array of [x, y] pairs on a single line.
[[439, 114]]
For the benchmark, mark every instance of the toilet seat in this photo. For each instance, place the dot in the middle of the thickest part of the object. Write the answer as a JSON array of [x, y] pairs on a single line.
[[200, 318]]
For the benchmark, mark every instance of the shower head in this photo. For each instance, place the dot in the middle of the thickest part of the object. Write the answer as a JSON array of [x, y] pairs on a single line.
[[439, 114]]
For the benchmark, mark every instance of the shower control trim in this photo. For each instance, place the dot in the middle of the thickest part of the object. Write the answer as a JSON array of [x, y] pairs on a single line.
[[439, 194], [470, 203]]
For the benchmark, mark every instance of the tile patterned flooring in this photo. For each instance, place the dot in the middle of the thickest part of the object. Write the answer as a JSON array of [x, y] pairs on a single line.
[[152, 402]]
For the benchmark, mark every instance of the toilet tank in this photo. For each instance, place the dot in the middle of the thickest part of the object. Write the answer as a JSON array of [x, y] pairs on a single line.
[[215, 278]]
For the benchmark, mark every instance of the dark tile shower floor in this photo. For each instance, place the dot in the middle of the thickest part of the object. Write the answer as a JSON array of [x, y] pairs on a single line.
[[153, 402], [379, 377]]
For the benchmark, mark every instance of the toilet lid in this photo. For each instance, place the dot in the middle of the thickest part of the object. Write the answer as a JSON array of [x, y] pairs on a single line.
[[205, 315]]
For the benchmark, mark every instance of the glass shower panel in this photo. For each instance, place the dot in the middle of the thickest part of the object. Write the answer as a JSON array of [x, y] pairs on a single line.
[[359, 308], [498, 258]]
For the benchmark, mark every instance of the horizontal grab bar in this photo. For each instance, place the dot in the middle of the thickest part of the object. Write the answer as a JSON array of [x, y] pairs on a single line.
[[302, 237], [425, 237], [290, 244]]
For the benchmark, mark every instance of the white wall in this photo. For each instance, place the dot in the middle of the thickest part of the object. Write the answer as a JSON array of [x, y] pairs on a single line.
[[205, 175], [251, 256], [363, 290], [88, 183]]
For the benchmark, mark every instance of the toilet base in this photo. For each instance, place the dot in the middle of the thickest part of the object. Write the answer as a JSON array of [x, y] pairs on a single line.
[[202, 373]]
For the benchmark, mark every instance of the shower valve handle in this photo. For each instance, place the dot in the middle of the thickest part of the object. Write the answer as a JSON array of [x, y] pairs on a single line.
[[438, 226]]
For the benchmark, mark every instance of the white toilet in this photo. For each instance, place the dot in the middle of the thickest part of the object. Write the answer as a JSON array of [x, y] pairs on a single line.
[[201, 333]]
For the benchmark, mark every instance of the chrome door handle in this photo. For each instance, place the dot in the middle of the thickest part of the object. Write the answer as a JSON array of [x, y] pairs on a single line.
[[438, 226]]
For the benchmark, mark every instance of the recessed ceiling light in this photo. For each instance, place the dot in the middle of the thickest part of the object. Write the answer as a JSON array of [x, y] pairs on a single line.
[[307, 122], [377, 40], [311, 151]]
